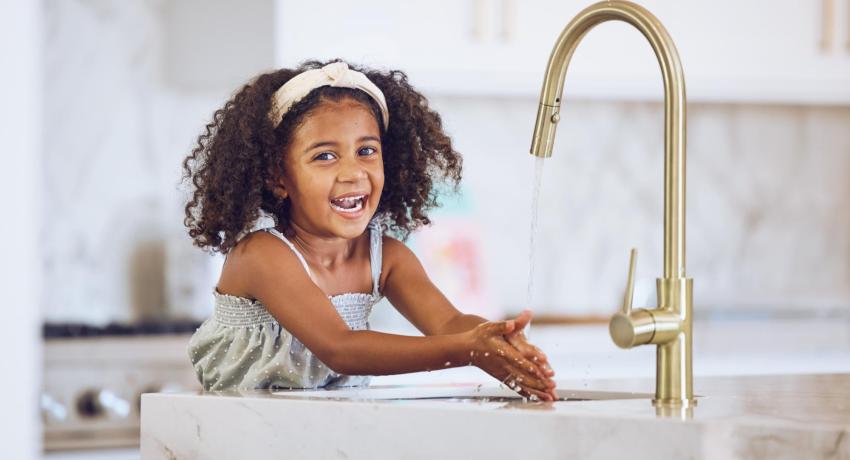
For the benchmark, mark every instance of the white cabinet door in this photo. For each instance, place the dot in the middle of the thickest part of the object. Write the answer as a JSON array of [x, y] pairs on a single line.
[[613, 60], [355, 31], [435, 42], [763, 51]]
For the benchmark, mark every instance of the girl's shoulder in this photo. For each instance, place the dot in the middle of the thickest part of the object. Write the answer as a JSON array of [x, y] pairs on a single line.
[[395, 253], [392, 246], [255, 256]]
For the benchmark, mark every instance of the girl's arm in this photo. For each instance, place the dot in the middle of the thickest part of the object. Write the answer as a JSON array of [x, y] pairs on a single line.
[[271, 273], [412, 293]]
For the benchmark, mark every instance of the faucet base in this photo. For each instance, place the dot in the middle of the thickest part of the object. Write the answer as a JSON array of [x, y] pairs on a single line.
[[681, 412], [674, 403], [674, 375]]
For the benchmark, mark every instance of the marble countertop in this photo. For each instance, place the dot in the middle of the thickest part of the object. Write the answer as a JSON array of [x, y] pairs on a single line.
[[779, 416]]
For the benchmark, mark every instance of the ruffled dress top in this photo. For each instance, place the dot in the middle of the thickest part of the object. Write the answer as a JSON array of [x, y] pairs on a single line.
[[242, 346]]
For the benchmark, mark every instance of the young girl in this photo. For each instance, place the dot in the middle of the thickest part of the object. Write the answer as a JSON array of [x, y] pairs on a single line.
[[336, 156]]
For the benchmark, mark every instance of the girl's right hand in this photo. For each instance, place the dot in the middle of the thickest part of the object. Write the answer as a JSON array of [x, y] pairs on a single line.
[[493, 354]]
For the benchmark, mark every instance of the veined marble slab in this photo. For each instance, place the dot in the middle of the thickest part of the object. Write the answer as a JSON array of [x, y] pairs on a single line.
[[790, 416]]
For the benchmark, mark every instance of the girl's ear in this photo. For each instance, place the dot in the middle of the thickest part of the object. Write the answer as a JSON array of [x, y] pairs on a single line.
[[278, 188]]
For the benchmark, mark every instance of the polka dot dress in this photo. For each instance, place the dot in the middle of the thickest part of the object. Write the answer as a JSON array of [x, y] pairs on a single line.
[[241, 346]]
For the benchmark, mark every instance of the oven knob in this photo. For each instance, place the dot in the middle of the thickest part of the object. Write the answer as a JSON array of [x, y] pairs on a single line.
[[52, 410], [97, 403]]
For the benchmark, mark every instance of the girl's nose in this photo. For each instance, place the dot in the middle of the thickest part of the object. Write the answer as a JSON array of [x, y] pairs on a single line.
[[351, 171]]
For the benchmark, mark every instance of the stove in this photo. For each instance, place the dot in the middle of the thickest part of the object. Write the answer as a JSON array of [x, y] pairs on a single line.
[[94, 378]]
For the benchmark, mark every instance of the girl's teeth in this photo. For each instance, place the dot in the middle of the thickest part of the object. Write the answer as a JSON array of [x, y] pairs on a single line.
[[357, 200]]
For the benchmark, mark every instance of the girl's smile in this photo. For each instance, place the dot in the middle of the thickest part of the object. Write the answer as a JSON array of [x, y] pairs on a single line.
[[350, 206]]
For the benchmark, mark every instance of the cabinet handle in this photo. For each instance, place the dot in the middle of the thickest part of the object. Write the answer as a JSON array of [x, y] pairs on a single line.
[[509, 20], [847, 30], [479, 20], [827, 12]]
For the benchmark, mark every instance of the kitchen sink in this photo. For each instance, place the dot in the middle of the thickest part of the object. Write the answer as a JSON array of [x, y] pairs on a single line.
[[473, 393]]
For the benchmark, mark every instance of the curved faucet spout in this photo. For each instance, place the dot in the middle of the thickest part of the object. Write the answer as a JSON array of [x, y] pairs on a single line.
[[669, 325], [674, 110]]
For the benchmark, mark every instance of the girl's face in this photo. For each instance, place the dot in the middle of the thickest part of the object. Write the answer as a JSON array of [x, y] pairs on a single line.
[[334, 170]]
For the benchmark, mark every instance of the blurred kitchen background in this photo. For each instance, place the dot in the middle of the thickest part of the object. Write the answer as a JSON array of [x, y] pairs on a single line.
[[107, 97]]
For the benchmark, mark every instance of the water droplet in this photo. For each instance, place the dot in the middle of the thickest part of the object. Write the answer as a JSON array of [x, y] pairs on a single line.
[[448, 363], [486, 354]]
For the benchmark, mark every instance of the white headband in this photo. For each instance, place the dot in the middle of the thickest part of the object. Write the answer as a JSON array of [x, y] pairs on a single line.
[[335, 74]]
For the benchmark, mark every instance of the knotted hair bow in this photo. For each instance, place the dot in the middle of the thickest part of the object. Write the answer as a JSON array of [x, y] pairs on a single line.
[[335, 74]]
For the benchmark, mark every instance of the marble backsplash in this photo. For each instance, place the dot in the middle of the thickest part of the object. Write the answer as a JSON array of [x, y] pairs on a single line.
[[768, 190], [768, 202]]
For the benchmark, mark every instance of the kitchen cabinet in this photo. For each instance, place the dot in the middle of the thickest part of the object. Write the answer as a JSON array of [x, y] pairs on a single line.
[[215, 45], [753, 51], [762, 51]]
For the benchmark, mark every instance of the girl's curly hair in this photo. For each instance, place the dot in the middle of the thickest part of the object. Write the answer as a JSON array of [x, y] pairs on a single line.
[[240, 155]]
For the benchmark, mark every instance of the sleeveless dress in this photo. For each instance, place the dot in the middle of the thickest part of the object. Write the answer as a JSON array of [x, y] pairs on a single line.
[[242, 346]]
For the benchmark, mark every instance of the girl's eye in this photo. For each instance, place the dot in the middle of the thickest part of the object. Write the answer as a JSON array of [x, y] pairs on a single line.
[[324, 156], [368, 151]]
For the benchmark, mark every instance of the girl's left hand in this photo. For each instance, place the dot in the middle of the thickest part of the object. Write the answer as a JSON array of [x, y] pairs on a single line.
[[530, 352]]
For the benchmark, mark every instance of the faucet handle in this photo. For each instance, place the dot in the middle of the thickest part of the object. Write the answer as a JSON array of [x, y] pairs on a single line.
[[630, 284], [631, 328]]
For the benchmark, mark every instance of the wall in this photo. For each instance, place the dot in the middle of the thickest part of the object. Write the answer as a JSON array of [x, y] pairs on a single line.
[[767, 189], [768, 202]]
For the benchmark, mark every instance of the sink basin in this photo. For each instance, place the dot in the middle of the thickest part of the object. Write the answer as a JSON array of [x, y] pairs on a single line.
[[448, 393]]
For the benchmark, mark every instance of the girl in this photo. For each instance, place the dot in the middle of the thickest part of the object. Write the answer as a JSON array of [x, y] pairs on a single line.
[[335, 156]]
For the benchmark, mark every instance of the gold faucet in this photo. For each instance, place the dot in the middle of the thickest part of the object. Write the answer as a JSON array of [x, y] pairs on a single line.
[[669, 325]]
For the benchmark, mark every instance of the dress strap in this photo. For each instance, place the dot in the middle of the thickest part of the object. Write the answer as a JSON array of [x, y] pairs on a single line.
[[276, 233], [375, 255]]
